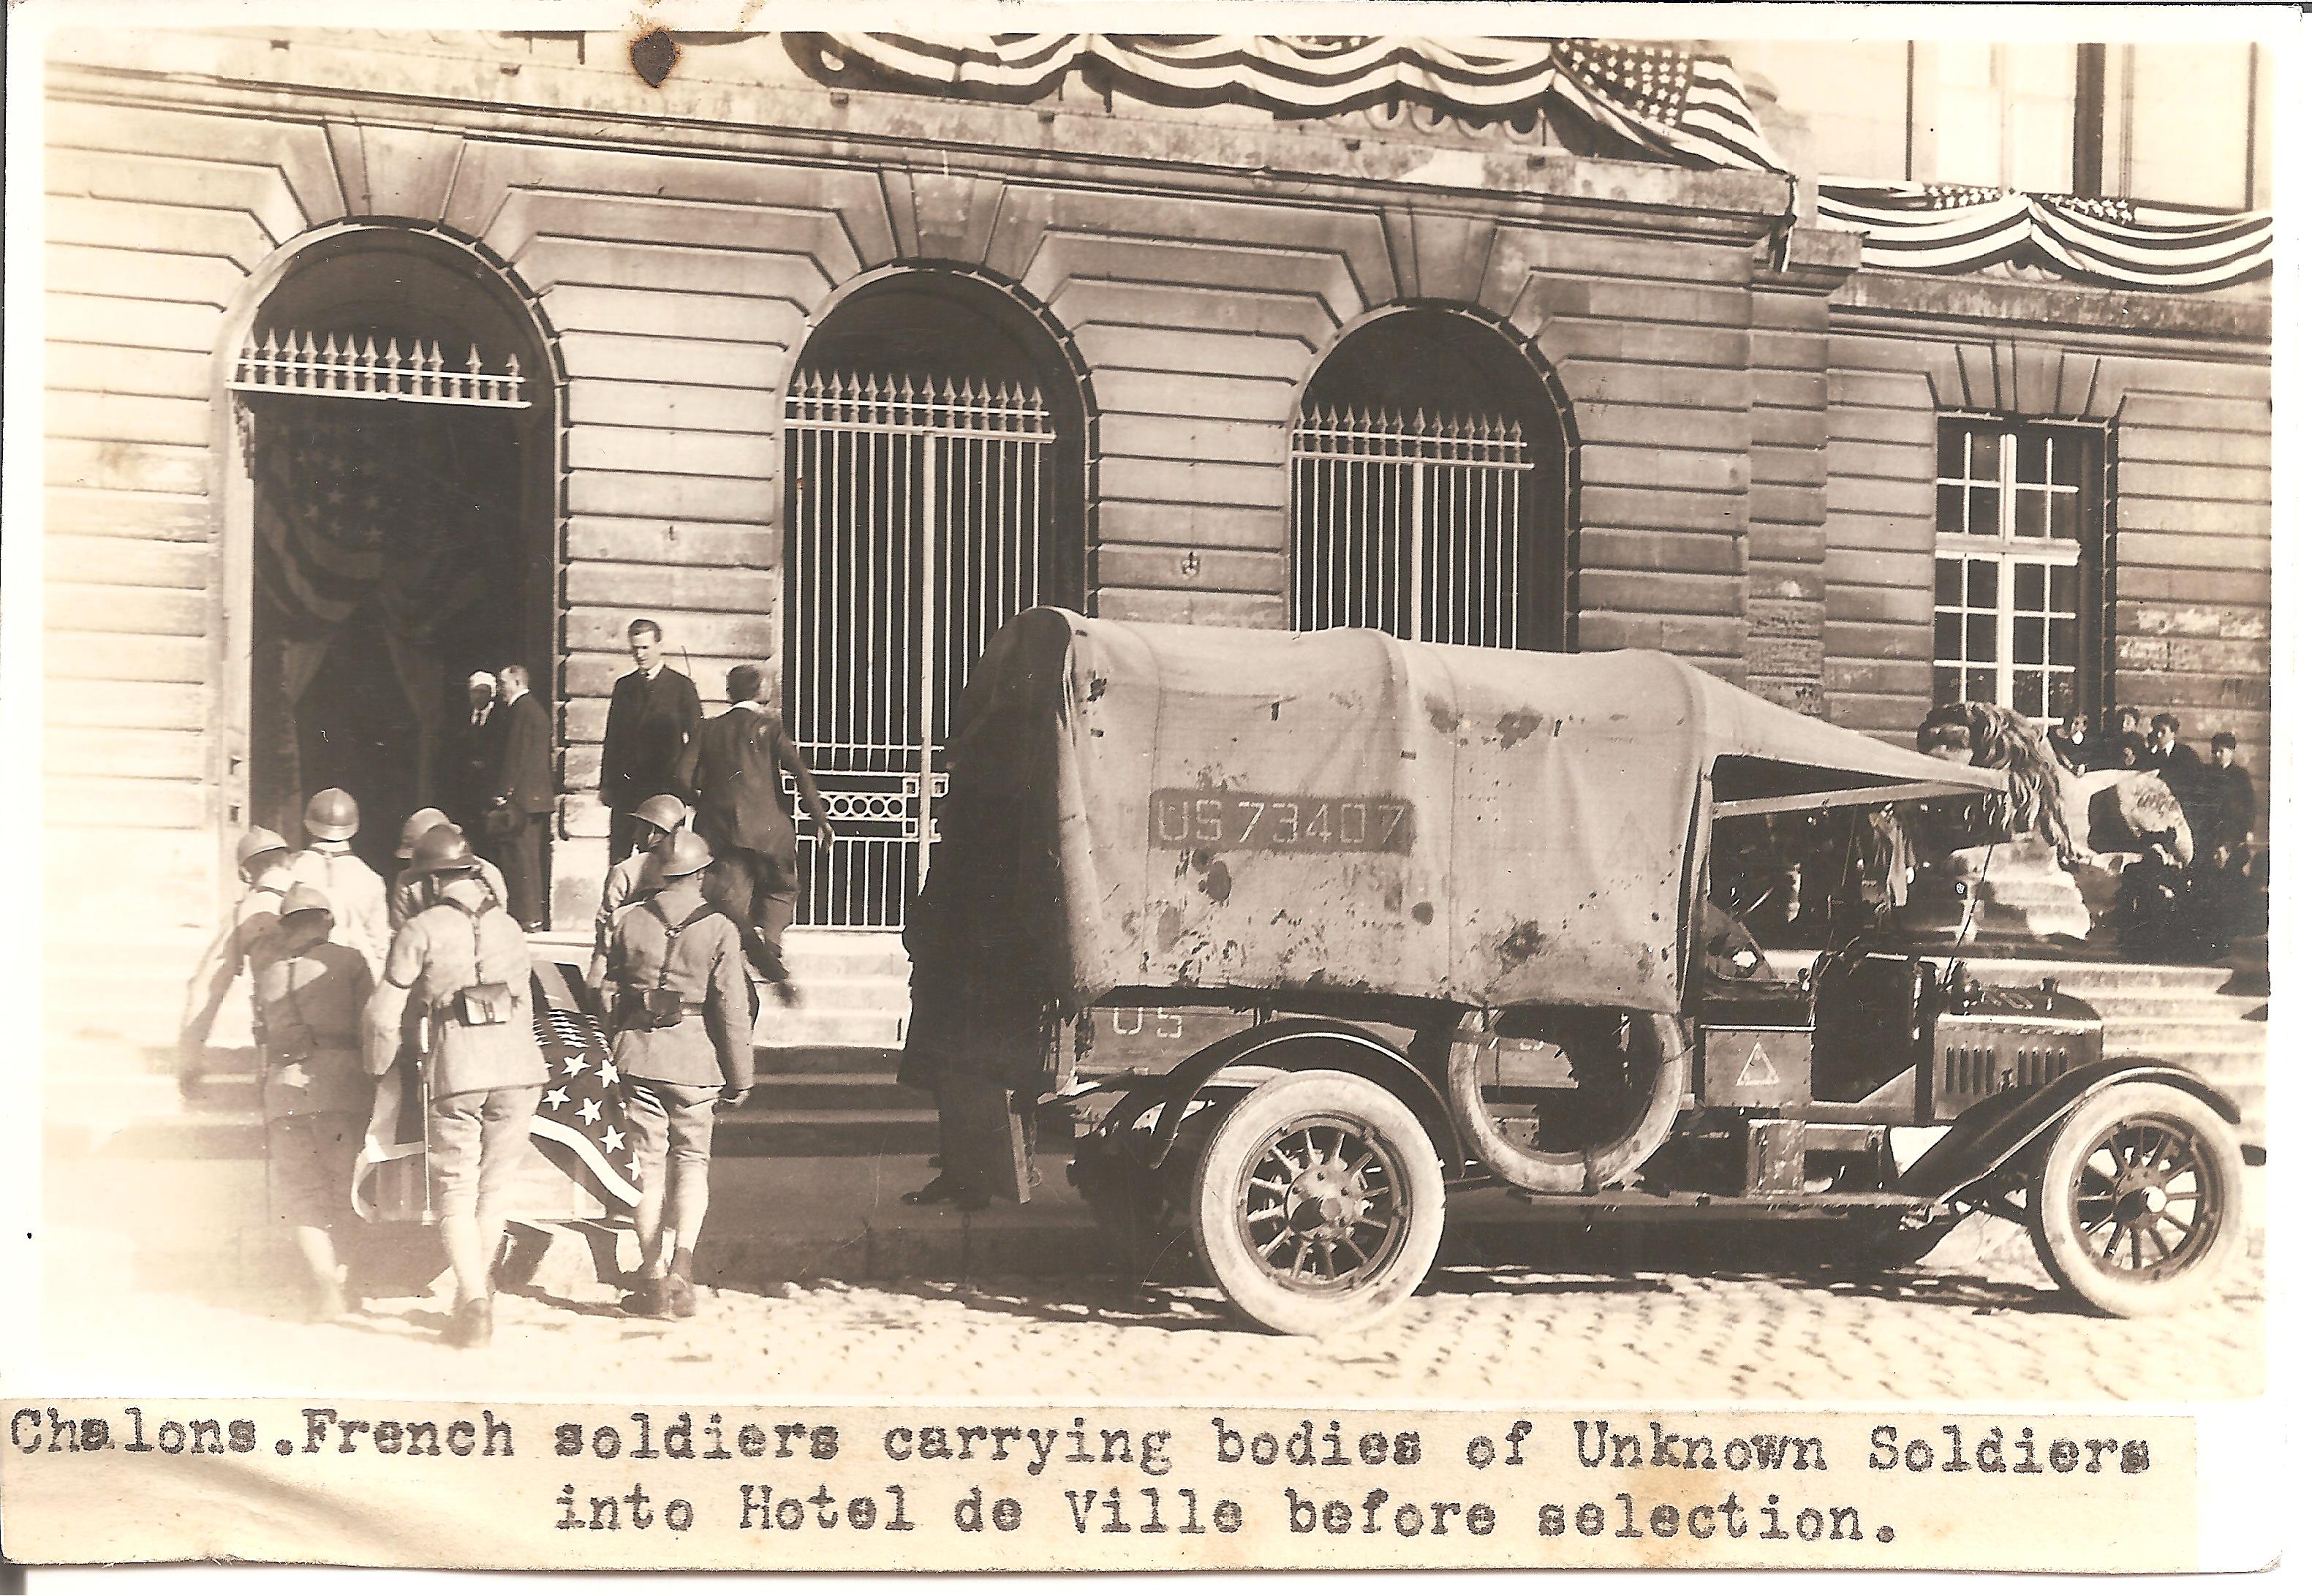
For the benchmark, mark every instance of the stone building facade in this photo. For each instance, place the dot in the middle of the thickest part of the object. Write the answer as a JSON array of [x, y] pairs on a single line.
[[1173, 364]]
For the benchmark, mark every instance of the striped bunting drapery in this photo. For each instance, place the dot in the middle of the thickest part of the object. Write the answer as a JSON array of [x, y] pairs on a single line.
[[1944, 227], [1674, 104]]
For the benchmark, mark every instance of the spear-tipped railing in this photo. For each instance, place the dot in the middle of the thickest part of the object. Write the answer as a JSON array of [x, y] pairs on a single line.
[[299, 362]]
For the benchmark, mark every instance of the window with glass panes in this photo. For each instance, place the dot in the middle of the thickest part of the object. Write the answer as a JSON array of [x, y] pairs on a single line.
[[2015, 504]]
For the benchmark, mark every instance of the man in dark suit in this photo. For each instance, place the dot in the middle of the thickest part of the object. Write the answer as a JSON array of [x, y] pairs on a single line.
[[2230, 797], [653, 716], [477, 748], [524, 796], [743, 815], [2167, 754]]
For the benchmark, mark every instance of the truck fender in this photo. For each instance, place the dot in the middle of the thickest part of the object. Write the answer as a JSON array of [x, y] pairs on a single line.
[[1993, 1133], [1305, 1044]]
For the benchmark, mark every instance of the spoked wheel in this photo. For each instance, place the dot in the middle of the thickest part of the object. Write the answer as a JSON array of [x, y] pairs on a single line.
[[2139, 1206], [1319, 1203]]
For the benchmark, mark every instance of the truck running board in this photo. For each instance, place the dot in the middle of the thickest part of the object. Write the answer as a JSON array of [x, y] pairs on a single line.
[[1467, 1200]]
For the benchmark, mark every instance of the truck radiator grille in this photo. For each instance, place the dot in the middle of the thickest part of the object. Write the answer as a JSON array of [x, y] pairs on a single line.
[[1972, 1073]]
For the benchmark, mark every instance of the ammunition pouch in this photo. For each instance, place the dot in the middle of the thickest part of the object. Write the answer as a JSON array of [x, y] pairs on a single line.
[[654, 1008], [486, 1002]]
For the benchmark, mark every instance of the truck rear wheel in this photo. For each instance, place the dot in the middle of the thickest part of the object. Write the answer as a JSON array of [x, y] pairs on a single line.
[[1319, 1203], [2139, 1206]]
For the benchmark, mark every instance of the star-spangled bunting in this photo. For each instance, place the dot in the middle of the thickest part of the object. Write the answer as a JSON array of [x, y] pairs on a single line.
[[1950, 227], [1669, 102], [366, 505], [581, 1122]]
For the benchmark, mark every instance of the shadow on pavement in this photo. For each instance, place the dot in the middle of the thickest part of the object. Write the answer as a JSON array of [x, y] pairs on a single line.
[[1107, 1300]]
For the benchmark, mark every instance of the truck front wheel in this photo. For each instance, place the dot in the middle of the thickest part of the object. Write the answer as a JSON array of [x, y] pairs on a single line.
[[1319, 1203], [2138, 1208]]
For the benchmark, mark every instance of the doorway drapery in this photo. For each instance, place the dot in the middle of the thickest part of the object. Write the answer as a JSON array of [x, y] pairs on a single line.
[[386, 553]]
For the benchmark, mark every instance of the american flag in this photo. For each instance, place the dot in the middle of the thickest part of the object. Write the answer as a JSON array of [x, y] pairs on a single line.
[[581, 1122], [389, 1182], [1673, 102], [1952, 227]]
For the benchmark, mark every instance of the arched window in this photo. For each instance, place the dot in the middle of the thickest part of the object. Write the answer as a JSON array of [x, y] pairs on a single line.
[[1432, 481], [396, 410], [935, 461]]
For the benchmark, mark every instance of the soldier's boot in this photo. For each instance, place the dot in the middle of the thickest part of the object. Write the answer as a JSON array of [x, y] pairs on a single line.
[[681, 1299], [650, 1299], [469, 1324]]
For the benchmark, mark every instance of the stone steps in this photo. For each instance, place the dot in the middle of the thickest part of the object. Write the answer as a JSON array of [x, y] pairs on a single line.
[[2214, 1037], [826, 1069], [2087, 978], [2167, 1004], [136, 990]]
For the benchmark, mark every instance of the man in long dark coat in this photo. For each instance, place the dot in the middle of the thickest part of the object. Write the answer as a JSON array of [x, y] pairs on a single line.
[[477, 748], [525, 797], [653, 716], [744, 817]]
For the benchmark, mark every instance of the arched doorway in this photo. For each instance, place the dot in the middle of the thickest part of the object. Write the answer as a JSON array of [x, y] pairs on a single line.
[[395, 409], [1433, 488], [935, 451]]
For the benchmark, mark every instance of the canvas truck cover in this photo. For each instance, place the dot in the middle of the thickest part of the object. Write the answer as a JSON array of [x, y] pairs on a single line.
[[1170, 806]]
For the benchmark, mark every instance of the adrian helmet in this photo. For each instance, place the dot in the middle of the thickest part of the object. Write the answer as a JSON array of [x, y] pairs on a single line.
[[332, 815], [257, 840], [666, 811], [442, 851], [305, 897], [416, 826], [684, 852]]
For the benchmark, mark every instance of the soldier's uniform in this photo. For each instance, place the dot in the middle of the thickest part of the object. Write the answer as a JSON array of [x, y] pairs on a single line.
[[682, 1020], [629, 881], [634, 876], [235, 948], [356, 893], [408, 894], [316, 1095], [465, 963]]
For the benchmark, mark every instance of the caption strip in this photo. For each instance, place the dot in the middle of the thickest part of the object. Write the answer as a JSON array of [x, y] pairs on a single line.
[[733, 1488]]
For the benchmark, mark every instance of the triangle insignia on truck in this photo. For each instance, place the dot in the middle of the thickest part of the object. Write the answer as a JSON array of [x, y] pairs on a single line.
[[1758, 1070]]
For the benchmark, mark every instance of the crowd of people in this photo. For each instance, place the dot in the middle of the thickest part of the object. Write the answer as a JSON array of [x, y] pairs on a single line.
[[2196, 877], [352, 979], [2130, 743], [2196, 888]]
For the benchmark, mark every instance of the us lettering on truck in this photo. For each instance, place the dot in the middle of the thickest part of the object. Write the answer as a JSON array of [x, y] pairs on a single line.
[[1216, 821]]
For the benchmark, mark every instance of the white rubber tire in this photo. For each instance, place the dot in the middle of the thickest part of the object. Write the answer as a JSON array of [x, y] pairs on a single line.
[[1223, 1177], [2060, 1230]]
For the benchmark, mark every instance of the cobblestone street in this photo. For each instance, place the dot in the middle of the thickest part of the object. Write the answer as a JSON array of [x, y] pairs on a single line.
[[1985, 1327]]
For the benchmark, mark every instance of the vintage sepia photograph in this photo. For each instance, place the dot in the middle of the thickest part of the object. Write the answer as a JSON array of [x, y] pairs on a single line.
[[1557, 715]]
